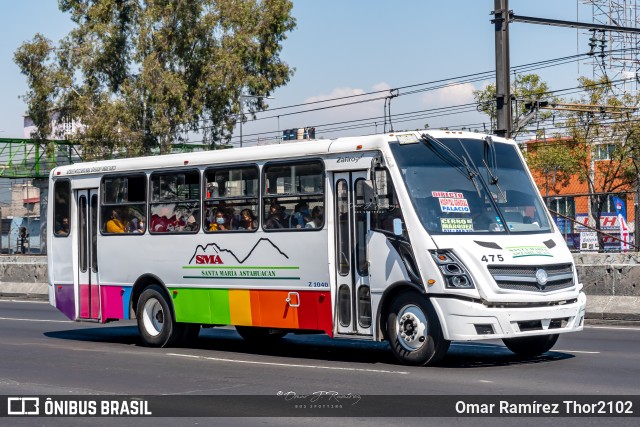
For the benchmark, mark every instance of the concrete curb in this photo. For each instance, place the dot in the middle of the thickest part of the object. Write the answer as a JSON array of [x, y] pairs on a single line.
[[37, 291], [600, 307]]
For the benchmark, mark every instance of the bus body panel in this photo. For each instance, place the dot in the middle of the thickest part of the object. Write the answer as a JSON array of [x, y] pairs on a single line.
[[466, 320]]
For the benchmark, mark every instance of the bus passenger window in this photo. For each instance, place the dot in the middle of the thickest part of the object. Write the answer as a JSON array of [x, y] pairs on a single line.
[[124, 204], [62, 208], [293, 196], [175, 202], [231, 199]]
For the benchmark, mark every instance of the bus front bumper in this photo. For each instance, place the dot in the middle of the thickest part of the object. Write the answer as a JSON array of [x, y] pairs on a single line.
[[464, 320]]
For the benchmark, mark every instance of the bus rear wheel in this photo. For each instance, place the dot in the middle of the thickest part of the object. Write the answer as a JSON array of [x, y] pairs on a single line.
[[531, 346], [155, 320], [259, 335], [414, 331]]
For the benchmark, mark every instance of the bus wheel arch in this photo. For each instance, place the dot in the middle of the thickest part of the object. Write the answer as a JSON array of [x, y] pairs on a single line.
[[138, 288], [383, 307], [413, 329]]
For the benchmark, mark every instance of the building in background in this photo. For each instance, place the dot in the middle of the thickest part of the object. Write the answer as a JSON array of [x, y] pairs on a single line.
[[21, 219], [571, 197]]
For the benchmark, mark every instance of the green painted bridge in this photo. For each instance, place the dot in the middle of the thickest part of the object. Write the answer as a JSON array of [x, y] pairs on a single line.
[[26, 158]]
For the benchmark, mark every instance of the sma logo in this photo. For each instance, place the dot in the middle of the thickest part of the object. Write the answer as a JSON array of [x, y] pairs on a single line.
[[208, 259]]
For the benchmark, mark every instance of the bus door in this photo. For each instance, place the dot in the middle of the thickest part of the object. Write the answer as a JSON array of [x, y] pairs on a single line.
[[353, 303], [87, 261]]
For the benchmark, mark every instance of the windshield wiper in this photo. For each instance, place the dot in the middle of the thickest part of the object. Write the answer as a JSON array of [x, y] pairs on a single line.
[[490, 153], [445, 151], [473, 175]]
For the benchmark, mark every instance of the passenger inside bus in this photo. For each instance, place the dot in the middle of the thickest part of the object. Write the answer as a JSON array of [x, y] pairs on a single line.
[[227, 213], [115, 223], [276, 217], [317, 218], [247, 220], [219, 223], [300, 216], [62, 227]]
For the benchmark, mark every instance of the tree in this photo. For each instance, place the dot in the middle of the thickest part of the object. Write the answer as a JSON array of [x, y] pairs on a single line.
[[138, 74], [525, 88], [611, 130]]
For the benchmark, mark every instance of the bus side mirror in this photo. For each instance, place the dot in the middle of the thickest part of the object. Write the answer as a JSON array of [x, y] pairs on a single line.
[[397, 226]]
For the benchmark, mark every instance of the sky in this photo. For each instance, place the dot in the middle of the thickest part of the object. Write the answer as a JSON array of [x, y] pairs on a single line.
[[347, 47]]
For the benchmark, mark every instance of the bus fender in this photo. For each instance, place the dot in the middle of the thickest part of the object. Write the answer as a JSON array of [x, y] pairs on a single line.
[[389, 294], [140, 285]]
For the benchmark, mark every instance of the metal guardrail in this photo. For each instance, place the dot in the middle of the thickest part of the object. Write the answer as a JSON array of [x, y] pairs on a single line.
[[25, 158]]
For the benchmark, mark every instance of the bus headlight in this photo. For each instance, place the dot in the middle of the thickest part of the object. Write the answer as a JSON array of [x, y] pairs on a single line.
[[455, 273]]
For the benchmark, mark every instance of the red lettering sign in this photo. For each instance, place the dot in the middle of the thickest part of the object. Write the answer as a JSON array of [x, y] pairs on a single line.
[[208, 259]]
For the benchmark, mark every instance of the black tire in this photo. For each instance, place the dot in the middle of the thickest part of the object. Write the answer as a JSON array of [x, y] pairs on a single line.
[[260, 335], [156, 323], [531, 346], [412, 315]]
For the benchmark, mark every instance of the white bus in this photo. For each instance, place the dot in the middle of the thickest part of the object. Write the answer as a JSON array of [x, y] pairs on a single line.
[[417, 238]]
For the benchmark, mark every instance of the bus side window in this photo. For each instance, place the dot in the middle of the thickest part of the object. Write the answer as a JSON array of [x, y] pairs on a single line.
[[175, 202], [62, 208], [293, 196], [124, 204], [231, 199]]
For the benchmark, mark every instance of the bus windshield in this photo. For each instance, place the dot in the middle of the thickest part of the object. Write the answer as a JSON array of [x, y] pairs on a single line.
[[464, 185]]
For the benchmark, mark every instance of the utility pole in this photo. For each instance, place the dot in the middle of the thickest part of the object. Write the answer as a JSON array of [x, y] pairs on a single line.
[[503, 82]]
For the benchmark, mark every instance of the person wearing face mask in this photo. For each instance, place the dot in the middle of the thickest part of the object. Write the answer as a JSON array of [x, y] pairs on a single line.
[[219, 223]]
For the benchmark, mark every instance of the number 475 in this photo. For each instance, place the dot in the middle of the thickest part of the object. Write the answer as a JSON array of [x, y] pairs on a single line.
[[492, 258]]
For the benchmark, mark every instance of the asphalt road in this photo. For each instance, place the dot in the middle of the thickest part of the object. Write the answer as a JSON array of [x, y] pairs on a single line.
[[42, 353]]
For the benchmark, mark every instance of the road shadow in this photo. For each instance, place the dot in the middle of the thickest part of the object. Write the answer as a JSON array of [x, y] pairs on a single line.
[[479, 355], [105, 334], [314, 347]]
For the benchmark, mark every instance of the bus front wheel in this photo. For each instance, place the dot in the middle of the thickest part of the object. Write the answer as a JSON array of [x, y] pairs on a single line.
[[414, 331], [155, 320], [531, 346]]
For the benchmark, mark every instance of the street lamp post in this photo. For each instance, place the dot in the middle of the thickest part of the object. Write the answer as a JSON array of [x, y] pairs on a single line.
[[242, 98]]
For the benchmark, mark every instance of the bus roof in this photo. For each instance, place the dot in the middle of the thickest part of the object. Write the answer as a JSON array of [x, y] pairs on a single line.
[[294, 149]]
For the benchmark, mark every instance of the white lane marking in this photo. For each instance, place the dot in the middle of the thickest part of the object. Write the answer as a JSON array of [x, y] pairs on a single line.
[[36, 320], [288, 365], [575, 351], [485, 381], [613, 327]]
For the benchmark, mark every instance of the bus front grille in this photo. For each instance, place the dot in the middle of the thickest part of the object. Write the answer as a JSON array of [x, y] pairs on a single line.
[[524, 278]]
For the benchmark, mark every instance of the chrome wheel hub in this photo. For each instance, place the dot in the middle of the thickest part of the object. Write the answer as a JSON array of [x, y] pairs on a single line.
[[153, 317], [411, 328]]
